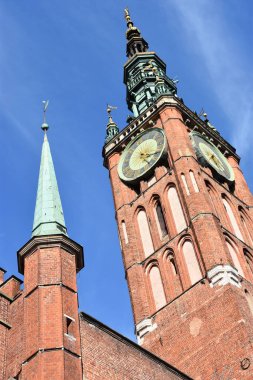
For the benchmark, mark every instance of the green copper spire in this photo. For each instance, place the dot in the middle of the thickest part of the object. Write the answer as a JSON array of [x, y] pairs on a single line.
[[48, 216], [144, 73]]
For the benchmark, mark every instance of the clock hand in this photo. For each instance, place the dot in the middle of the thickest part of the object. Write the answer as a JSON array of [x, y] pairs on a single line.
[[151, 154]]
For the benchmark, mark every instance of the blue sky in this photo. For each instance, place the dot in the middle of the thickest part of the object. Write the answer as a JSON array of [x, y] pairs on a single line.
[[73, 54]]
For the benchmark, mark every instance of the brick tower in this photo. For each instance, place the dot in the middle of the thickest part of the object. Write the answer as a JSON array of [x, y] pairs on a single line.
[[42, 339], [184, 213]]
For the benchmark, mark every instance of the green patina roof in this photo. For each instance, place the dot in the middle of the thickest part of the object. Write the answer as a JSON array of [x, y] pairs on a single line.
[[48, 216]]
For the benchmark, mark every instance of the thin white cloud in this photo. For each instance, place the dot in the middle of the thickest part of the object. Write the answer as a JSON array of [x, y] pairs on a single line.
[[207, 31]]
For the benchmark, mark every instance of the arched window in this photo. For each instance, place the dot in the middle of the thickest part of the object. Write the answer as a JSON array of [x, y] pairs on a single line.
[[172, 264], [212, 197], [234, 255], [160, 221], [145, 233], [151, 181], [244, 224], [123, 224], [185, 184], [176, 209], [194, 182], [249, 260], [249, 299], [232, 219], [157, 287], [191, 261]]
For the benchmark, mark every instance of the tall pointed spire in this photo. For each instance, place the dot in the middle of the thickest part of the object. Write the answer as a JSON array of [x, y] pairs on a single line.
[[144, 73], [48, 215], [136, 43]]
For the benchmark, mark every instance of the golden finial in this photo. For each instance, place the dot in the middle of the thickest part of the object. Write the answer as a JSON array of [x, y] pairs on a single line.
[[45, 126]]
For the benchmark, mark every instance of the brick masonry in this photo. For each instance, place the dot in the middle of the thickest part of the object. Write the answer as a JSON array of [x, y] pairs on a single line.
[[108, 355], [204, 329]]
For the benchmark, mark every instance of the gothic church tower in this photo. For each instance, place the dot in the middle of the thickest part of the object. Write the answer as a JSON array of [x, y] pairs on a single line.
[[41, 339], [184, 213]]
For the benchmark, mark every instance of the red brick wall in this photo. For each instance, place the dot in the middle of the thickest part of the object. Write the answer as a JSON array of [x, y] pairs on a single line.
[[37, 346], [209, 332], [108, 355], [4, 318], [208, 227], [50, 289], [15, 351]]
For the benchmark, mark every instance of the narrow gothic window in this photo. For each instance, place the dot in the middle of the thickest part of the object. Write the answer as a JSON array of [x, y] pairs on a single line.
[[246, 230], [160, 220], [191, 262], [124, 231], [157, 287], [232, 219], [151, 181], [172, 265], [176, 209], [249, 260], [234, 256], [69, 325], [185, 184], [194, 182], [211, 197], [145, 233], [249, 299]]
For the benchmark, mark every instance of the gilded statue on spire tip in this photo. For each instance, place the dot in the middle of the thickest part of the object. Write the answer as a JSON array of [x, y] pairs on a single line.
[[127, 14], [45, 126]]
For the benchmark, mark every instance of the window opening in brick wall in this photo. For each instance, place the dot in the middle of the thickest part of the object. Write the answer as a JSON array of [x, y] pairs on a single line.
[[176, 209], [249, 260], [212, 197], [124, 231], [185, 184], [194, 182], [249, 299], [246, 231], [157, 287], [172, 265], [145, 233], [70, 325], [234, 255], [191, 262], [160, 220], [151, 181], [232, 219]]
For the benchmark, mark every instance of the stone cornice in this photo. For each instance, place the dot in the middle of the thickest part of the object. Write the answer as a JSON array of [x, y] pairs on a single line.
[[51, 241]]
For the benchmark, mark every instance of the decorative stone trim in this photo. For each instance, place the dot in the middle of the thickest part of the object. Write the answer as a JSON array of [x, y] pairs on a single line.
[[50, 241], [144, 327], [163, 101], [221, 275]]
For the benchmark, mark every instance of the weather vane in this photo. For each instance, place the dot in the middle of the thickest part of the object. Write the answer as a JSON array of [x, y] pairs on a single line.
[[110, 108], [45, 106], [202, 113]]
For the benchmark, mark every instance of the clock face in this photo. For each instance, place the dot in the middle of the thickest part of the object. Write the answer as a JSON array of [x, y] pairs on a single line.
[[141, 154], [213, 157]]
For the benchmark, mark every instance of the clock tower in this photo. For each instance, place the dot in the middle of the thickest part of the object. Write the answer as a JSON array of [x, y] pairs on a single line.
[[184, 214]]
